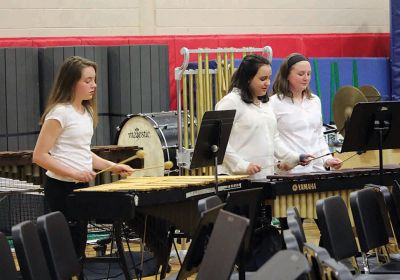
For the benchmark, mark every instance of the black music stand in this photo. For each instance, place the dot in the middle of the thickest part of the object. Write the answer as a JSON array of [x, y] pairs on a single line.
[[245, 203], [199, 242], [373, 126], [212, 140]]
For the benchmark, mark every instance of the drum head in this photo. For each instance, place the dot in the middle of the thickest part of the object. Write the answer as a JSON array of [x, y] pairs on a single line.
[[139, 131]]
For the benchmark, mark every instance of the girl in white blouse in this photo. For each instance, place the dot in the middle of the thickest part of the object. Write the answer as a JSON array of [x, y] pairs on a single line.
[[298, 114], [254, 141]]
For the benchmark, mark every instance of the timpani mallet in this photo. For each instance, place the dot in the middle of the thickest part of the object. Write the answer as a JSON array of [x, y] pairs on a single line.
[[138, 154]]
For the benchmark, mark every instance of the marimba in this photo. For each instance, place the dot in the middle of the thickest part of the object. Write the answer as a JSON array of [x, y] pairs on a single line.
[[153, 206], [18, 165], [162, 197], [303, 190]]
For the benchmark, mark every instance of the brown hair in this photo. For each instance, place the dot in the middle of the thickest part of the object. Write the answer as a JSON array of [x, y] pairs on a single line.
[[281, 83], [63, 87], [248, 68]]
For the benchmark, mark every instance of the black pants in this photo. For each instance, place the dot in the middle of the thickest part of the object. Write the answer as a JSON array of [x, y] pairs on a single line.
[[56, 192]]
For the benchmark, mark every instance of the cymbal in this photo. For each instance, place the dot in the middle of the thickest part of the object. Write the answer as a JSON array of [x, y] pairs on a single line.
[[370, 92], [343, 103]]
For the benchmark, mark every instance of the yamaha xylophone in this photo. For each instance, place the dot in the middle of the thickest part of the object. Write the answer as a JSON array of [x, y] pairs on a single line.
[[303, 190]]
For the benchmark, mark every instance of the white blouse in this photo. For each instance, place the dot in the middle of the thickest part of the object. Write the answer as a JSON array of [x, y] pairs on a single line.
[[301, 129], [254, 138], [72, 147]]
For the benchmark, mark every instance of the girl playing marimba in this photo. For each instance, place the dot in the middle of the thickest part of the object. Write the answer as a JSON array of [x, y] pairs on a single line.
[[254, 142], [63, 145], [298, 114]]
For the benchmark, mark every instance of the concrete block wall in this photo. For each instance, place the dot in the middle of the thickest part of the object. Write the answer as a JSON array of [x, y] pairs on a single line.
[[161, 17]]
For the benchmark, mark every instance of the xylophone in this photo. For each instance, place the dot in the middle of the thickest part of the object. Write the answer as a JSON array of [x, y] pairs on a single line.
[[156, 196], [152, 206], [19, 201], [18, 165], [164, 203], [303, 190]]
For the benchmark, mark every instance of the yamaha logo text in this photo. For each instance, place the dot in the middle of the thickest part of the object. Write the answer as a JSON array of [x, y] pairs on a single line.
[[304, 187]]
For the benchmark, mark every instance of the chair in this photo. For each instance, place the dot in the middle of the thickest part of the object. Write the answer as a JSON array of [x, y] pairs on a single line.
[[335, 271], [315, 256], [336, 230], [7, 266], [296, 226], [290, 241], [29, 252], [396, 192], [325, 267], [223, 246], [285, 264], [337, 233], [386, 205], [392, 200], [371, 221], [295, 239], [58, 246], [293, 213]]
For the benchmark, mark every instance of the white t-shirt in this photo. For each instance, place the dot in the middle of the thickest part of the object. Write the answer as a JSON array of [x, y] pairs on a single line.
[[254, 138], [72, 147], [301, 130]]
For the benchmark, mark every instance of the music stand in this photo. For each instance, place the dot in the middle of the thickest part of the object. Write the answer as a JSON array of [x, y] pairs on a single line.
[[245, 203], [212, 140], [373, 126], [197, 247]]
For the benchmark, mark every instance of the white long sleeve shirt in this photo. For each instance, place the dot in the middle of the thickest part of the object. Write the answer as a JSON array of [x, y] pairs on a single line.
[[254, 138], [301, 130]]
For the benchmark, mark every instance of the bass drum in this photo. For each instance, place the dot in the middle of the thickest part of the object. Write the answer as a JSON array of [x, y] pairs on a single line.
[[157, 134]]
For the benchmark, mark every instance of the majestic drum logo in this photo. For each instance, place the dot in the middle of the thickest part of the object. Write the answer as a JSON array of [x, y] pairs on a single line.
[[157, 134], [139, 134]]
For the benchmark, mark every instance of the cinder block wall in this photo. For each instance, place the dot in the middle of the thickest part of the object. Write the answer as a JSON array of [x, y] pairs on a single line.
[[161, 17]]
